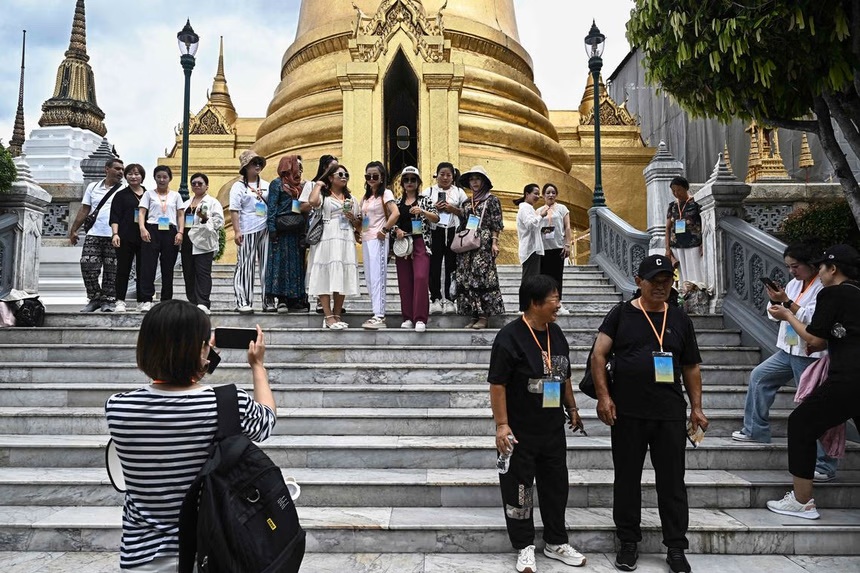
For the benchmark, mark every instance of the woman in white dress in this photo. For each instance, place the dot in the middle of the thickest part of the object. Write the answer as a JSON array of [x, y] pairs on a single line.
[[333, 272]]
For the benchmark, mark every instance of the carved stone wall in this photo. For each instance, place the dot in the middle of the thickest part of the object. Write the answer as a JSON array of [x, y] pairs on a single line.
[[768, 217]]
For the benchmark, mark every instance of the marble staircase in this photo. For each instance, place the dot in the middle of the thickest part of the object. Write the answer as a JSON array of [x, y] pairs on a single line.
[[390, 435]]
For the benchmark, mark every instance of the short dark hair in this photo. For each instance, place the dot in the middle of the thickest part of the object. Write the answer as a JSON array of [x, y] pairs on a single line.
[[803, 252], [159, 168], [680, 181], [535, 289], [135, 166], [446, 165], [109, 163], [170, 342], [199, 176], [547, 186]]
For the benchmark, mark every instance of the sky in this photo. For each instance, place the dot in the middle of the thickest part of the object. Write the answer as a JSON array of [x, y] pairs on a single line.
[[139, 82]]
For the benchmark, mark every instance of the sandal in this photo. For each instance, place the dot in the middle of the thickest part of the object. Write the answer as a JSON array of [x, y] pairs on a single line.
[[339, 321], [333, 326], [481, 323], [471, 323]]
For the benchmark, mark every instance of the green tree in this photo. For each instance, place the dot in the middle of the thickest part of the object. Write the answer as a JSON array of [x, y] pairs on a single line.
[[791, 64], [8, 173]]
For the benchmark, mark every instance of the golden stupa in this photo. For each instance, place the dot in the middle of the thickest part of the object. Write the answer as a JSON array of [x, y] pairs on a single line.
[[416, 83]]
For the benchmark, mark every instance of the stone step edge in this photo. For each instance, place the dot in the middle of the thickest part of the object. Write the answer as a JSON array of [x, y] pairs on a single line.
[[324, 365]]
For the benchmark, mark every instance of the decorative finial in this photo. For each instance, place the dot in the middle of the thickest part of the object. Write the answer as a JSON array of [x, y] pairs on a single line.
[[23, 170], [663, 153], [18, 134], [727, 157], [219, 96], [78, 40], [805, 161], [721, 171]]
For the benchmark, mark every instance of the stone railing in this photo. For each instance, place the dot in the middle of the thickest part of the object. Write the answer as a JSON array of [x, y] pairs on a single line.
[[617, 248]]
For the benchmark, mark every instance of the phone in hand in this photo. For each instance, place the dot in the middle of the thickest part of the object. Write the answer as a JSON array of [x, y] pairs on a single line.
[[769, 283], [235, 337], [443, 197], [214, 360]]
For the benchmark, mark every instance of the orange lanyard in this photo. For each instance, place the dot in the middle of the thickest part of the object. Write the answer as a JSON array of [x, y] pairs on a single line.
[[547, 355], [654, 328], [806, 288], [163, 201], [681, 209]]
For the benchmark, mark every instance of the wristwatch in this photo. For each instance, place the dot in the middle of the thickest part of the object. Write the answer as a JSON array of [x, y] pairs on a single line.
[[787, 304]]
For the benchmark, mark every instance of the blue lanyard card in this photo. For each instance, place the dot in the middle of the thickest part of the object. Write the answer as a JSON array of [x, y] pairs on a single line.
[[163, 224], [260, 209], [365, 223], [189, 220], [297, 208], [791, 336], [664, 368], [551, 394], [136, 215], [417, 226], [472, 223], [680, 226]]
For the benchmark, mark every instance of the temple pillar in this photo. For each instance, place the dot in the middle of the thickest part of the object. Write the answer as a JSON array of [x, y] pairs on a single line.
[[658, 174], [440, 124], [362, 124]]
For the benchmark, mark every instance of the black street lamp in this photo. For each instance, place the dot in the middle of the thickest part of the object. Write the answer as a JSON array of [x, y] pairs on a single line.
[[188, 42], [594, 44]]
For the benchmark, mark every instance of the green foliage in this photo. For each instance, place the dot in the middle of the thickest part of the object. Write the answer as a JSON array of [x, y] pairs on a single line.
[[828, 223], [222, 241], [759, 60], [8, 173]]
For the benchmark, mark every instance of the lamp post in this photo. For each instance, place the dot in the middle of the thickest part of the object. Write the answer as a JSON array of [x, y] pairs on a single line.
[[594, 44], [188, 42]]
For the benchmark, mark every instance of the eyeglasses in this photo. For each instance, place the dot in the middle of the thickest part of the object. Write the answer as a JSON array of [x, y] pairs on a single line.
[[371, 176], [197, 184], [342, 174], [409, 180]]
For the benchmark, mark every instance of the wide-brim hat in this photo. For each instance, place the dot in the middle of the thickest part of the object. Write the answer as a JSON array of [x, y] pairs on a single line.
[[845, 254], [247, 157], [476, 170]]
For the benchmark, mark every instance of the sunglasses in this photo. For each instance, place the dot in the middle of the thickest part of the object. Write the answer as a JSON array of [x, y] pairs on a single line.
[[409, 180], [371, 176], [342, 174], [197, 184]]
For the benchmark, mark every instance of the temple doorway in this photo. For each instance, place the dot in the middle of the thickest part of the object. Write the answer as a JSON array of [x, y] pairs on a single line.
[[401, 115]]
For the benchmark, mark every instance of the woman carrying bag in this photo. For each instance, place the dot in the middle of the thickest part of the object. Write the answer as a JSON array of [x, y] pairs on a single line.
[[285, 276]]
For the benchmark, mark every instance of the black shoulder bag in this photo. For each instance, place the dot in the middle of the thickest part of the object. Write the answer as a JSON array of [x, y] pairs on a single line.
[[586, 385], [90, 219]]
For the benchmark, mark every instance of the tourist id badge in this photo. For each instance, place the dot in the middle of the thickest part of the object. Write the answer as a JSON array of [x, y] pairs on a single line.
[[472, 223], [260, 209], [163, 224], [297, 208], [680, 226], [136, 216], [664, 369], [417, 227], [345, 225], [551, 394], [365, 223], [189, 220], [791, 336]]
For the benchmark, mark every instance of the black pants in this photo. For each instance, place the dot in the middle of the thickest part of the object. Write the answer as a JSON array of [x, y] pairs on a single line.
[[541, 458], [532, 266], [127, 253], [552, 264], [442, 239], [631, 438], [160, 247], [829, 405], [197, 272]]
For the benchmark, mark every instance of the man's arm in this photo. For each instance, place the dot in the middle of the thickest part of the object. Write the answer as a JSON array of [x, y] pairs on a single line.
[[599, 357], [692, 376], [79, 220]]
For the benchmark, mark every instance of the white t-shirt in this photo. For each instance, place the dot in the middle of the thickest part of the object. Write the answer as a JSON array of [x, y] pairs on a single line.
[[528, 231], [305, 195], [454, 196], [92, 197], [554, 220], [158, 206], [244, 200], [806, 302]]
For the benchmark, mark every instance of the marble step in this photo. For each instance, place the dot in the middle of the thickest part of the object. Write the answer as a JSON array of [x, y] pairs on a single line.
[[412, 452], [574, 290], [353, 421], [73, 319], [327, 562], [349, 487], [461, 530], [335, 353], [378, 374], [447, 338], [93, 395]]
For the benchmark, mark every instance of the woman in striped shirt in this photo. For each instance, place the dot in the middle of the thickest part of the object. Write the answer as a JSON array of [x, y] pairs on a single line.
[[162, 431]]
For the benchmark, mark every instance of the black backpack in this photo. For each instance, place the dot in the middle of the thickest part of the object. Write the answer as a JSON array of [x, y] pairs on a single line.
[[30, 312], [238, 515]]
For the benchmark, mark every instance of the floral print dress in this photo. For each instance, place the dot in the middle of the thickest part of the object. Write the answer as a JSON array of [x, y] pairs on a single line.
[[478, 292]]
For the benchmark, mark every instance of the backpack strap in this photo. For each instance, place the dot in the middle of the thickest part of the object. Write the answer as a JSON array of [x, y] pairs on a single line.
[[227, 401]]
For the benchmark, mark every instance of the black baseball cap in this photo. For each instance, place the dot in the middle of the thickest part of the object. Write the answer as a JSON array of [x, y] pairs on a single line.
[[838, 254], [653, 266]]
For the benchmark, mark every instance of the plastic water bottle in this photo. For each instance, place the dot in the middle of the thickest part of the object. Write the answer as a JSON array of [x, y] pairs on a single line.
[[503, 464]]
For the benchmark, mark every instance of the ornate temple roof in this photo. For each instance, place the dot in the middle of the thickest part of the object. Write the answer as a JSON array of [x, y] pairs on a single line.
[[219, 96], [17, 141], [74, 101]]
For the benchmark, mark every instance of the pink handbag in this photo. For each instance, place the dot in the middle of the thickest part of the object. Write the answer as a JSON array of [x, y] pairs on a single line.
[[468, 240]]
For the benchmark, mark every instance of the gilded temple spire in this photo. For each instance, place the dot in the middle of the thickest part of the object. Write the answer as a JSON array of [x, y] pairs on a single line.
[[74, 101], [219, 96], [17, 141]]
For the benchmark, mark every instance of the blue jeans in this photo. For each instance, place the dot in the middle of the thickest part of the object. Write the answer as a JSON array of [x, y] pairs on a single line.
[[766, 379]]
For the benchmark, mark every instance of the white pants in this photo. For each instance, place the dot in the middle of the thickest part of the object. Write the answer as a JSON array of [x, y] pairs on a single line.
[[375, 258], [254, 249], [692, 265]]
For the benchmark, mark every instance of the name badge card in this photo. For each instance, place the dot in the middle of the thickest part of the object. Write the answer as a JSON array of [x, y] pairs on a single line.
[[260, 209], [345, 225], [163, 224], [297, 208], [680, 226], [136, 215], [472, 223], [791, 336], [365, 223], [664, 369], [551, 394], [189, 220], [417, 226]]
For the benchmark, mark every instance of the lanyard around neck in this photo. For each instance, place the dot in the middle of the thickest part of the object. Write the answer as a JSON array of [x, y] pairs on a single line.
[[654, 328], [682, 209], [806, 288], [547, 355]]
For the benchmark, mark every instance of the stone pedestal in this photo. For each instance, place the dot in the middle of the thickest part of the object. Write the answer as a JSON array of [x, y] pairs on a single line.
[[21, 213], [658, 174], [722, 196], [55, 153]]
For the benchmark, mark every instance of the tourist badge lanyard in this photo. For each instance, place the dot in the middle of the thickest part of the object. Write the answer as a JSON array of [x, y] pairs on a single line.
[[417, 223], [474, 220], [164, 220], [791, 336], [549, 230], [260, 207], [664, 368], [681, 222], [189, 214], [551, 388]]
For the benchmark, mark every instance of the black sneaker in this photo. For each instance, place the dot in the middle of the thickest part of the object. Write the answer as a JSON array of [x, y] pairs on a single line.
[[677, 561], [627, 556]]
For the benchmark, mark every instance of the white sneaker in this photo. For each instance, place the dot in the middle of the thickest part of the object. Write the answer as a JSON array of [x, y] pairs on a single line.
[[204, 309], [436, 307], [564, 553], [563, 311], [119, 306], [821, 477], [407, 324], [739, 436], [245, 310], [420, 326], [144, 307], [448, 307], [374, 323], [788, 505], [526, 560]]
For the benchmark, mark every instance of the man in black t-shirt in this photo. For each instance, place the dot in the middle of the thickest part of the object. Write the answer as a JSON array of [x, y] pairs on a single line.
[[529, 392], [655, 350]]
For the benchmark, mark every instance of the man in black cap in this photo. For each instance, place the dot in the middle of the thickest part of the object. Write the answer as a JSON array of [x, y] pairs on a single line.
[[654, 350]]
